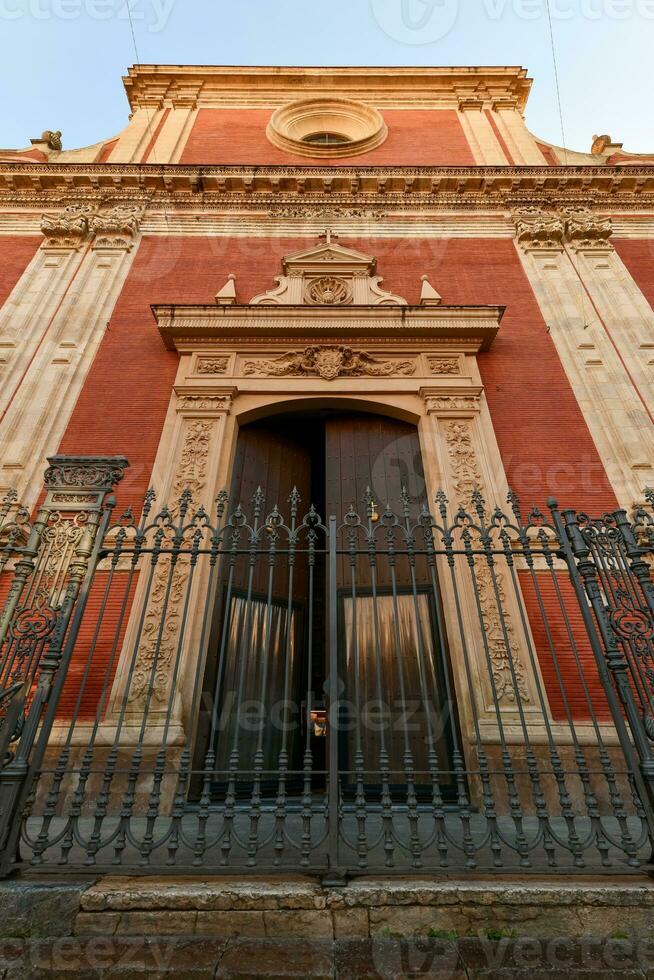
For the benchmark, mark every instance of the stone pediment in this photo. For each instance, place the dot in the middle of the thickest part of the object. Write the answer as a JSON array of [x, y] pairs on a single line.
[[328, 274]]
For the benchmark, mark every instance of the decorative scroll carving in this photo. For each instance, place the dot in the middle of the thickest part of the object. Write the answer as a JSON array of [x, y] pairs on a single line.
[[319, 211], [157, 650], [538, 229], [444, 365], [329, 363], [116, 228], [497, 624], [328, 291], [68, 229], [211, 365], [586, 230]]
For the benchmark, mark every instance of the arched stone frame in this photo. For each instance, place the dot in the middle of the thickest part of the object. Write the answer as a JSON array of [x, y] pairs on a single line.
[[441, 393]]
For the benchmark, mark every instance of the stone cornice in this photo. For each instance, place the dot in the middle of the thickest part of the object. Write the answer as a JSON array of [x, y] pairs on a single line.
[[207, 86], [185, 327], [381, 187]]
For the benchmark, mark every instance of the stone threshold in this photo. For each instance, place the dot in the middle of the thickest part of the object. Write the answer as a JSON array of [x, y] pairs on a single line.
[[299, 908]]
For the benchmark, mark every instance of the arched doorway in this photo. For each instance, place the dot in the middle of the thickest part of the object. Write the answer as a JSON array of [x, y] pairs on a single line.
[[283, 606]]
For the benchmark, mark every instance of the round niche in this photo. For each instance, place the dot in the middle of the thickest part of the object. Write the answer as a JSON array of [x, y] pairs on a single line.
[[326, 128]]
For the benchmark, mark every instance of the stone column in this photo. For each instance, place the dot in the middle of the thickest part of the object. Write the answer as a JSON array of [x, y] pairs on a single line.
[[519, 140], [57, 336], [550, 246]]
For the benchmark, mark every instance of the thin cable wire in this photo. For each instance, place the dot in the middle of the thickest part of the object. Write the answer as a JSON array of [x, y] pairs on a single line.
[[149, 131], [556, 80]]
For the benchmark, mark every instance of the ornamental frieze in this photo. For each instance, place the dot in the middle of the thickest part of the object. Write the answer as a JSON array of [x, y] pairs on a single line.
[[328, 363]]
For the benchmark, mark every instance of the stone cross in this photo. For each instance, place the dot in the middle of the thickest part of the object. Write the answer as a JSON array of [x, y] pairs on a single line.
[[328, 234]]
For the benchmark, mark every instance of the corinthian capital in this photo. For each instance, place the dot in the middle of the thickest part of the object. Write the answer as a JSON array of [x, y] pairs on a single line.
[[586, 230], [68, 229], [538, 229], [116, 228]]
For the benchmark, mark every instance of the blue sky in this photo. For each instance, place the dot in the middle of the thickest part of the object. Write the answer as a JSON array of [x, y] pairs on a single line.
[[62, 60]]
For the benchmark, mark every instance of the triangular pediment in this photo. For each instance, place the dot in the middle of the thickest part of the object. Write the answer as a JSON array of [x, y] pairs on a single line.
[[329, 254], [328, 274]]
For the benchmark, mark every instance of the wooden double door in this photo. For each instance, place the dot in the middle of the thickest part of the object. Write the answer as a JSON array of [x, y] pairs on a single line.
[[275, 633]]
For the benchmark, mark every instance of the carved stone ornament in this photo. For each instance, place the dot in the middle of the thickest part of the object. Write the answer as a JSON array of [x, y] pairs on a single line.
[[449, 403], [538, 229], [115, 228], [328, 275], [68, 229], [503, 647], [84, 472], [328, 291], [443, 365], [329, 363], [211, 365], [586, 230], [156, 651], [204, 403], [52, 138]]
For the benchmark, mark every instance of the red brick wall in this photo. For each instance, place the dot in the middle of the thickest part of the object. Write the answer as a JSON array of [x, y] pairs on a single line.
[[415, 138], [16, 252], [543, 439], [638, 256]]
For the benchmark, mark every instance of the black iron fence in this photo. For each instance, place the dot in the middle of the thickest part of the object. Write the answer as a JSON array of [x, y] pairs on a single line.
[[392, 690]]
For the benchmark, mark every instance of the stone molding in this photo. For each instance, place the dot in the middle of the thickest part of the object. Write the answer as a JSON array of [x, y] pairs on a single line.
[[580, 228], [443, 401], [469, 187], [208, 401], [115, 228]]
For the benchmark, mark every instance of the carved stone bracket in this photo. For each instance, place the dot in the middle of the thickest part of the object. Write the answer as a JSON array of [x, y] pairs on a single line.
[[328, 363]]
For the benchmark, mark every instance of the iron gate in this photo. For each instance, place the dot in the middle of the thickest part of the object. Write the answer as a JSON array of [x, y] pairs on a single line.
[[396, 690]]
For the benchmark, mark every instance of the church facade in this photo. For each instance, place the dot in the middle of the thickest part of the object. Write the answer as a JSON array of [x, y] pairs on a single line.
[[325, 369]]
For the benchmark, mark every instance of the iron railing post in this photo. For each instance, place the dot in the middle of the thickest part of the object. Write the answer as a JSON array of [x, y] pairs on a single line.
[[334, 877], [583, 573]]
